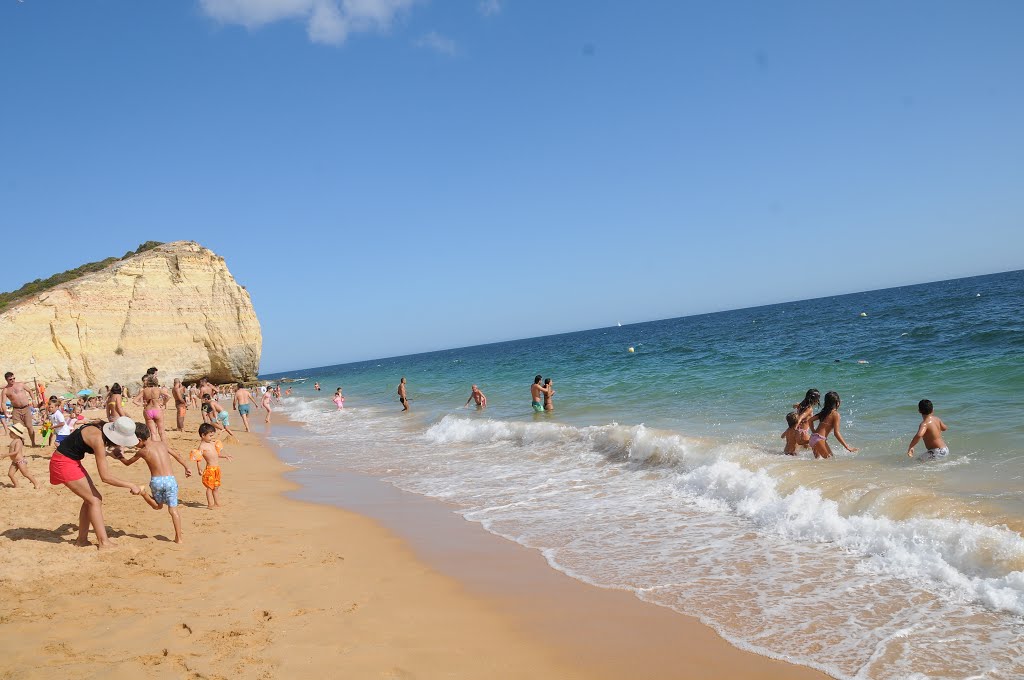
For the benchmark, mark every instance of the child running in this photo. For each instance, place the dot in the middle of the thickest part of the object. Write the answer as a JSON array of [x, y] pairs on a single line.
[[930, 431], [16, 450], [210, 451], [218, 415], [163, 486], [828, 422]]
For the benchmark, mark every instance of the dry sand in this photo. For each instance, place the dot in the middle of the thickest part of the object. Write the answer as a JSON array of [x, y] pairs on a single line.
[[270, 587]]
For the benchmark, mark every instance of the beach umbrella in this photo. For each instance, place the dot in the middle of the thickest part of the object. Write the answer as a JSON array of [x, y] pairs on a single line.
[[85, 393], [69, 396]]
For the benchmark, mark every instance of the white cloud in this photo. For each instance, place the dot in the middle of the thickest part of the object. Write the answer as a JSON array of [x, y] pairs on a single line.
[[327, 21], [438, 43], [489, 7]]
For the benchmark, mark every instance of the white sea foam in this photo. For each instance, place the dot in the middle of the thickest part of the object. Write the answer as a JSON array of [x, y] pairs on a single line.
[[718, 530], [971, 560]]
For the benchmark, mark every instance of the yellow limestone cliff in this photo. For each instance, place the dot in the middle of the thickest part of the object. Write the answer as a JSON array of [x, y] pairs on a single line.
[[175, 307]]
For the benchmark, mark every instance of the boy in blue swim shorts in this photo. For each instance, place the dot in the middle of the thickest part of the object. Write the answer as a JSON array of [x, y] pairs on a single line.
[[219, 414], [163, 487]]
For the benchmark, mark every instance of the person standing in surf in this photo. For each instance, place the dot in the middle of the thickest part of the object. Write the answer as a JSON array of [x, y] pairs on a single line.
[[828, 422], [402, 396], [805, 416], [537, 394], [549, 391]]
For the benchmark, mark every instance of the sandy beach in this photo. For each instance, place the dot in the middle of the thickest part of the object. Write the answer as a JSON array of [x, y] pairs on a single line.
[[270, 587]]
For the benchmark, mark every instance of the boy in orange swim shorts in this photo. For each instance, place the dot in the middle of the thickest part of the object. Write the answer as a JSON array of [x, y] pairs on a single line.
[[210, 451]]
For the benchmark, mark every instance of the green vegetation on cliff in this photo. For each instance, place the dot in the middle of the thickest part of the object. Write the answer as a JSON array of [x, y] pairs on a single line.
[[40, 285]]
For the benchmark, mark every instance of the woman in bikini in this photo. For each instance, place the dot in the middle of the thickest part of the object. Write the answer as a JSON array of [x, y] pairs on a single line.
[[549, 391], [154, 410], [805, 416], [113, 405], [828, 422]]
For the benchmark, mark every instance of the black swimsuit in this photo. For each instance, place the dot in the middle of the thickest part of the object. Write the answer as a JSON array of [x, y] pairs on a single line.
[[74, 446]]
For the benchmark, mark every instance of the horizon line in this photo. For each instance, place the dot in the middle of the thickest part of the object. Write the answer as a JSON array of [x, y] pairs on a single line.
[[635, 323]]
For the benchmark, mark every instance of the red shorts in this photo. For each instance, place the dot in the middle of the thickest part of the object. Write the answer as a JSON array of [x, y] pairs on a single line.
[[64, 469]]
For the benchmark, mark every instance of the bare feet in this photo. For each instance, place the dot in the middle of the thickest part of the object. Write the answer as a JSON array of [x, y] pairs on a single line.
[[109, 545], [83, 543]]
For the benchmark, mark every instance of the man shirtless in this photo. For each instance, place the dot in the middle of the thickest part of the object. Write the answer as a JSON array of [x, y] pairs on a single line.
[[21, 403], [537, 395], [180, 404], [477, 396], [206, 388], [402, 397], [243, 404], [930, 431]]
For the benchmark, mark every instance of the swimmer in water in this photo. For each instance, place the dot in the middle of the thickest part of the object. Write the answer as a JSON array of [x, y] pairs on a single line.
[[339, 400], [930, 431]]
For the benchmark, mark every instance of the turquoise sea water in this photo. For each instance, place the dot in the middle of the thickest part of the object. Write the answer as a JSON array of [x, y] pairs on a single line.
[[659, 471]]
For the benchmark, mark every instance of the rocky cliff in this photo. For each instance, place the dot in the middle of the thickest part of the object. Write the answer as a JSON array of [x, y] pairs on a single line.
[[175, 307]]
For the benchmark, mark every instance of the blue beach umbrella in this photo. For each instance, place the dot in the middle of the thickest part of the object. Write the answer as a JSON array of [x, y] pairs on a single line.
[[85, 393]]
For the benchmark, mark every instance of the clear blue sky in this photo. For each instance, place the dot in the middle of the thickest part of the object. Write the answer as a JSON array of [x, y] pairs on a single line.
[[388, 176]]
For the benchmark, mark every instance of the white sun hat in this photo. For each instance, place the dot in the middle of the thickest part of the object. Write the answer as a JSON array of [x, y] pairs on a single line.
[[121, 432]]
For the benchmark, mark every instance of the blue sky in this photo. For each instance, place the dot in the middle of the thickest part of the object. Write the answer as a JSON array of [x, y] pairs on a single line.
[[391, 176]]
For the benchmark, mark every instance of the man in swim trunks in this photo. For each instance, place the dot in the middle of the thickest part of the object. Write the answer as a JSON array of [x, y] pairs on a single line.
[[243, 404], [930, 431], [402, 396], [537, 395], [21, 404]]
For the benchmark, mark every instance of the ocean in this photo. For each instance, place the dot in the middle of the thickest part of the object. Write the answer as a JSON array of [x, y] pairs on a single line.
[[659, 471]]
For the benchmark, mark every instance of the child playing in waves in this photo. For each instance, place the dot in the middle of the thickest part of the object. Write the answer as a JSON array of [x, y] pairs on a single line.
[[930, 431], [805, 416], [790, 435], [210, 452], [828, 422], [339, 400], [163, 487], [16, 450]]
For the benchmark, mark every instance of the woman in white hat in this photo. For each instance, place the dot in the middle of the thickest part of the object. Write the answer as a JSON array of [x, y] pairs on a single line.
[[16, 451], [99, 439]]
